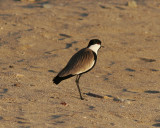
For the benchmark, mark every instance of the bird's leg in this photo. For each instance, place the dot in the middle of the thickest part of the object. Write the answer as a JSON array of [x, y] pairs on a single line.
[[77, 82]]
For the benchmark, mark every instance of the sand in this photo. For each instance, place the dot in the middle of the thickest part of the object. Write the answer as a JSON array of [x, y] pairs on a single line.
[[38, 37]]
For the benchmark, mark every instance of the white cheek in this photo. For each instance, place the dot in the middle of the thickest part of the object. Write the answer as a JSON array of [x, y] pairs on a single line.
[[95, 47]]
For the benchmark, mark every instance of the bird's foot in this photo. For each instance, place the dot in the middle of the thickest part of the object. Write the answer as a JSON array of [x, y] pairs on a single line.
[[82, 98]]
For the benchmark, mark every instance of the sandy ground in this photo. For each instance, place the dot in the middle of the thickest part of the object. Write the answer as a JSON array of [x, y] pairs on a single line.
[[38, 38]]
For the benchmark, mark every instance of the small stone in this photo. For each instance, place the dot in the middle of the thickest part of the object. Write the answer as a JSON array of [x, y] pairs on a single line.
[[147, 60], [63, 103], [107, 97], [32, 85], [122, 106], [118, 99], [132, 4], [84, 14], [65, 35], [19, 75], [130, 70], [1, 117], [16, 85], [127, 102], [155, 70], [112, 124], [11, 66], [47, 6]]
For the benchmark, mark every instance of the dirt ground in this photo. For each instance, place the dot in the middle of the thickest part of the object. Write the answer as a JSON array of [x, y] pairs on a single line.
[[38, 37]]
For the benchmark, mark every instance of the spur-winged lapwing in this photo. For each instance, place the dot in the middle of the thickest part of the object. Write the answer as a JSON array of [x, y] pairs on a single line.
[[81, 62]]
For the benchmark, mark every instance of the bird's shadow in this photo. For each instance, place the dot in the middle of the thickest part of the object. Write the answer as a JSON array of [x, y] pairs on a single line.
[[91, 95]]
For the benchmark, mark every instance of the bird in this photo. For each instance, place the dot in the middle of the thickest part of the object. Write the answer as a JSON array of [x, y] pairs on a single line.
[[81, 62]]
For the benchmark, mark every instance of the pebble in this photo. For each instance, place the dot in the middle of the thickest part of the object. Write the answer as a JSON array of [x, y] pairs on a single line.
[[16, 85], [132, 4], [122, 100], [122, 106], [11, 66], [19, 75], [107, 97], [63, 103], [47, 6], [127, 102], [1, 117], [118, 99]]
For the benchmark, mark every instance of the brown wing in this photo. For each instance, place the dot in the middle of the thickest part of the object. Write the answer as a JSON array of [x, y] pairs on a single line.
[[80, 62]]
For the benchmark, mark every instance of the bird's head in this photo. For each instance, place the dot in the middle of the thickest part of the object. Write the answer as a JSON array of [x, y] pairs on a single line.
[[94, 45]]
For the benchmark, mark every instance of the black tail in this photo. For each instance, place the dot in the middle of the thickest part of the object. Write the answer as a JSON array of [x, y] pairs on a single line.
[[58, 79]]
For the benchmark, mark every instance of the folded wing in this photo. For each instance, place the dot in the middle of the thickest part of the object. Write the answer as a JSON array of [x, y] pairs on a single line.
[[81, 62]]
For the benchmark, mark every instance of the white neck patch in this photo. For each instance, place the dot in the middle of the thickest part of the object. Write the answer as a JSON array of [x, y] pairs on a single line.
[[95, 47]]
